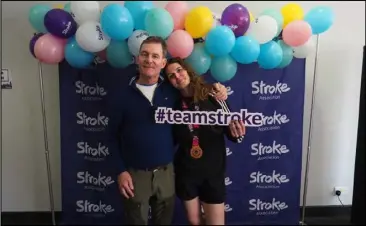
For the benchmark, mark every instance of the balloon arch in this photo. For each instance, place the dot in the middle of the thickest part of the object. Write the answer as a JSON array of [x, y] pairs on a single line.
[[78, 32]]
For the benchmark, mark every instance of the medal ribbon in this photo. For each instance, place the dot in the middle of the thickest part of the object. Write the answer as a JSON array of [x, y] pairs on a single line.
[[196, 151]]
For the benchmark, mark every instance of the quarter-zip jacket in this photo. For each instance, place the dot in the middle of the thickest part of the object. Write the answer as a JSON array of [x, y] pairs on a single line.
[[135, 140]]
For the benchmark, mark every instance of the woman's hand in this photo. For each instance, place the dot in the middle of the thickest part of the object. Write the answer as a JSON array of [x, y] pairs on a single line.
[[219, 92], [237, 128]]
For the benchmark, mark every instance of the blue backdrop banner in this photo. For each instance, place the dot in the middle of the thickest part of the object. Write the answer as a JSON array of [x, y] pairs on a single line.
[[263, 173]]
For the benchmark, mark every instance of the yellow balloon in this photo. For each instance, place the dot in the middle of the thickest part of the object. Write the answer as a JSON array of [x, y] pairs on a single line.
[[199, 21], [291, 12], [251, 17], [58, 6]]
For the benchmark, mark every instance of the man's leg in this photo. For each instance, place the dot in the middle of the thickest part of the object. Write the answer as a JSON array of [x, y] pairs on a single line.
[[162, 204], [136, 209]]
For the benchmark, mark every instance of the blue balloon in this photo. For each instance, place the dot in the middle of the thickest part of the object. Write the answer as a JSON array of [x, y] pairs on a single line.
[[116, 22], [36, 17], [159, 22], [138, 10], [199, 60], [223, 68], [118, 54], [275, 14], [246, 50], [220, 41], [270, 56], [287, 54], [76, 56], [320, 19]]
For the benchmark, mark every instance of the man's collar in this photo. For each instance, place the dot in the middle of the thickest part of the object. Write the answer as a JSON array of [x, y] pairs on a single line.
[[134, 79]]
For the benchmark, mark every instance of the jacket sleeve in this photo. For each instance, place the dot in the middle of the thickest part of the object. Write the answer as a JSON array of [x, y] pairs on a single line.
[[114, 135]]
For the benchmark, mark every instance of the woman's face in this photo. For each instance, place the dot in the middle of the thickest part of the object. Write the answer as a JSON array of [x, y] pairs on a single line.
[[177, 76]]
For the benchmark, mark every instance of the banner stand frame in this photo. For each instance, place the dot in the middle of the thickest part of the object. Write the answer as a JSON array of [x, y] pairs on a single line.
[[302, 222], [45, 134]]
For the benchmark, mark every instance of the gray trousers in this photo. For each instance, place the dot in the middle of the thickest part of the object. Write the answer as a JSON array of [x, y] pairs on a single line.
[[151, 188]]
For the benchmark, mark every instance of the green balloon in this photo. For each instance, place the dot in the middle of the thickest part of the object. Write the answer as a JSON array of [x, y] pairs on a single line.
[[67, 7], [118, 54], [275, 15], [159, 22], [36, 16], [287, 54]]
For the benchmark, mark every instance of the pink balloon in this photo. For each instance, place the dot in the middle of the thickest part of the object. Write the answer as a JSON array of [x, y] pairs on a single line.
[[102, 54], [180, 44], [296, 33], [178, 10], [49, 49]]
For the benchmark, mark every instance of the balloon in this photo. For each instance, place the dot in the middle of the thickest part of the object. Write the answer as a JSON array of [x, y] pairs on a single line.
[[91, 38], [246, 50], [49, 49], [117, 22], [159, 22], [60, 23], [67, 7], [118, 55], [199, 60], [291, 12], [223, 68], [251, 17], [76, 56], [178, 10], [287, 54], [180, 44], [270, 55], [36, 16], [296, 33], [304, 50], [237, 17], [135, 41], [85, 11], [320, 19], [138, 10], [264, 29], [58, 6], [33, 41], [275, 15], [199, 21], [102, 55], [220, 41]]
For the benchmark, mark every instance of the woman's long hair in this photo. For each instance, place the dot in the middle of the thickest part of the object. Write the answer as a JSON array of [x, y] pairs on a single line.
[[201, 89]]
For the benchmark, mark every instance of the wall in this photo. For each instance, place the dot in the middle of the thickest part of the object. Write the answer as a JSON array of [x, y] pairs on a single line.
[[24, 185]]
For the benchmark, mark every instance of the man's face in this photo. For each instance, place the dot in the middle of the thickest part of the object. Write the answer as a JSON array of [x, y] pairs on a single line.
[[151, 59]]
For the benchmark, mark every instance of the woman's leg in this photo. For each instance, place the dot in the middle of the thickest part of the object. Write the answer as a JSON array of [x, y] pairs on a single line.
[[214, 213], [193, 210]]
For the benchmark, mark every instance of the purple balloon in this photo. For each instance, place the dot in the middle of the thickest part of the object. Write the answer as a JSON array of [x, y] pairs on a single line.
[[237, 17], [60, 23], [33, 41]]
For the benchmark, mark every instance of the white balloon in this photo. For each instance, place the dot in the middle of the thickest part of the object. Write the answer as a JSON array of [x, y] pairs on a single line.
[[91, 38], [263, 29], [84, 11], [304, 50], [135, 40]]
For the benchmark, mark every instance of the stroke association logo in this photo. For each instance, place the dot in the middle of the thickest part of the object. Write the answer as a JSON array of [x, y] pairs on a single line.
[[260, 207], [93, 209], [93, 92], [271, 181], [91, 153], [97, 182], [269, 92], [90, 123], [268, 152], [273, 122]]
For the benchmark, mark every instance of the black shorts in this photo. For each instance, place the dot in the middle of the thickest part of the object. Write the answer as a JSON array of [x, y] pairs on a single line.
[[208, 190]]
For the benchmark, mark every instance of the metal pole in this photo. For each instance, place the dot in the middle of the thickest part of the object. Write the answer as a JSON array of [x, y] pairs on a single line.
[[52, 205], [310, 134]]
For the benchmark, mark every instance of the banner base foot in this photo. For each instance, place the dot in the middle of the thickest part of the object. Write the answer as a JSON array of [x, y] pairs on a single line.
[[302, 223]]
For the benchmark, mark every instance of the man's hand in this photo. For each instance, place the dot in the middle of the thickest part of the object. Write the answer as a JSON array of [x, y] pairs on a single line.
[[125, 184], [219, 92], [237, 128]]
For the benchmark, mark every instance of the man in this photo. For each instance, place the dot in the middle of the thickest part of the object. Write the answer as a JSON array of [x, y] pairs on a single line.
[[142, 149]]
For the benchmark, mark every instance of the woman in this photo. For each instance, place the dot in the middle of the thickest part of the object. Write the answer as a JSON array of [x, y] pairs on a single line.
[[201, 156]]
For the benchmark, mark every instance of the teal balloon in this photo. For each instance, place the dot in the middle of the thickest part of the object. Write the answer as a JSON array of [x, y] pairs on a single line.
[[223, 68], [36, 17], [320, 19], [270, 56], [67, 7], [275, 14], [76, 56], [159, 22], [118, 54], [138, 10], [116, 22], [199, 60], [246, 50], [220, 41], [287, 54]]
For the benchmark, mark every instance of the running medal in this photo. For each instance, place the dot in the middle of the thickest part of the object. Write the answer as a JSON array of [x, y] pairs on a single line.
[[196, 151]]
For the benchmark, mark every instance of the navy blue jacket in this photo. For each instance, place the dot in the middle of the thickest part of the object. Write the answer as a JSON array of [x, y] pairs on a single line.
[[135, 140]]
